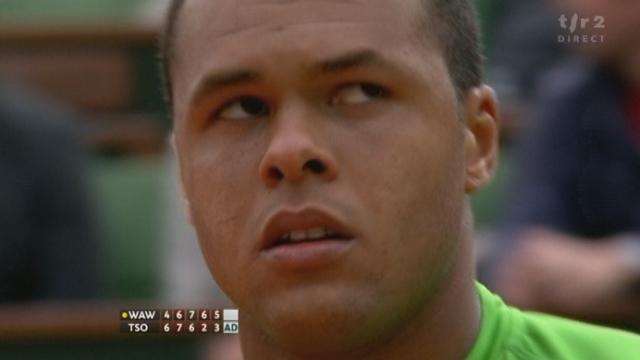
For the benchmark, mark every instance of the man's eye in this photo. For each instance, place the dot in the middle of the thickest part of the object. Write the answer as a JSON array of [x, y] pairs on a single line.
[[244, 108], [357, 94]]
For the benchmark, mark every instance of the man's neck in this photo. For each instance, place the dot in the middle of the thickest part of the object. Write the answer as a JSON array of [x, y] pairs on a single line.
[[444, 329]]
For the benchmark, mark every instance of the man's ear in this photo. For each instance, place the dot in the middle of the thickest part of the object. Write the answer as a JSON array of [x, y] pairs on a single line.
[[481, 137], [186, 205]]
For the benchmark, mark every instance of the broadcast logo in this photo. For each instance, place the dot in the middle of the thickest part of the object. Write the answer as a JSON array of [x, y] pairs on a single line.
[[581, 29]]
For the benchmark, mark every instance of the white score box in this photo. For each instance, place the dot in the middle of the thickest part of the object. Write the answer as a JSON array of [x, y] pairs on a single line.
[[230, 315], [230, 321]]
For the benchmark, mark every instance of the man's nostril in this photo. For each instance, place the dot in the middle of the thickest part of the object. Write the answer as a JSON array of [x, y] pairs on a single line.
[[315, 166], [276, 173]]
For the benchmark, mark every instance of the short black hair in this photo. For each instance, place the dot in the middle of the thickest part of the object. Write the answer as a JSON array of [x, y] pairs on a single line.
[[457, 32], [167, 48], [453, 22]]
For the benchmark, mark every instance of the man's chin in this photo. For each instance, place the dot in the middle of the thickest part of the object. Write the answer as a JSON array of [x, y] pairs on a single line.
[[319, 323]]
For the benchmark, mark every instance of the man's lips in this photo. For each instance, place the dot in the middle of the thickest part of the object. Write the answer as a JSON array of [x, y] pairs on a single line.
[[289, 227]]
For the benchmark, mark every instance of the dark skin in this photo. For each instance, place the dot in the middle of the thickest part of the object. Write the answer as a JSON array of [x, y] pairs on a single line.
[[264, 88]]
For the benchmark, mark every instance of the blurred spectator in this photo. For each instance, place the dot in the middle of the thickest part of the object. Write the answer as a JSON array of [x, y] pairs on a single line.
[[573, 217], [523, 45], [47, 251]]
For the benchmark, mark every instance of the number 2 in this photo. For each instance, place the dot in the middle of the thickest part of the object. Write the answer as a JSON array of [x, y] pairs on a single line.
[[599, 22]]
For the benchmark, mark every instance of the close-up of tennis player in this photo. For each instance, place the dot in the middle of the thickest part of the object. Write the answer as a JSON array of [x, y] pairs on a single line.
[[327, 150]]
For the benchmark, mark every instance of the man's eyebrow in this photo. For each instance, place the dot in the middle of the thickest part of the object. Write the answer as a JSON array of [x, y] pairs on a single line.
[[226, 78], [219, 80], [351, 60]]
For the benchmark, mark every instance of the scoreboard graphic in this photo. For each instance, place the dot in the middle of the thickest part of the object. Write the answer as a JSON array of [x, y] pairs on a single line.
[[179, 321]]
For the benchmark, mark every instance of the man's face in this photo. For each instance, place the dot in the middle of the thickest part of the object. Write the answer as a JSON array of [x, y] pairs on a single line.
[[299, 115]]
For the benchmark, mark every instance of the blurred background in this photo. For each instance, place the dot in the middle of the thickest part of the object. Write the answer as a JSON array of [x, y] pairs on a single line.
[[91, 219]]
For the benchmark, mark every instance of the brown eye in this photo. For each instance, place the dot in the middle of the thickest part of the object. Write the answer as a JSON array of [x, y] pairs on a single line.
[[372, 91], [358, 94], [244, 108]]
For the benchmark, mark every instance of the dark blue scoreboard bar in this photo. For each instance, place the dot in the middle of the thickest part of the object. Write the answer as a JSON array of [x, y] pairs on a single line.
[[179, 321]]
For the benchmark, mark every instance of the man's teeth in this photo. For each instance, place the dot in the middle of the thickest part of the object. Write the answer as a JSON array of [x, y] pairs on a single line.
[[310, 234]]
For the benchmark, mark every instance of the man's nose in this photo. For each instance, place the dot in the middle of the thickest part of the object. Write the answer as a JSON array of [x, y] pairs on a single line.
[[295, 153]]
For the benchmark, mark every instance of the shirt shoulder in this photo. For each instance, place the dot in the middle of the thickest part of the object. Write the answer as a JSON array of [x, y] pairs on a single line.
[[507, 333], [541, 336]]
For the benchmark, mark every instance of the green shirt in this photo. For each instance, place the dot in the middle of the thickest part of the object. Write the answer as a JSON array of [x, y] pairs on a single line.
[[507, 333]]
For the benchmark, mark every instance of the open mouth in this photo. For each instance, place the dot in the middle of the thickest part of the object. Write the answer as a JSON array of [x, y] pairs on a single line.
[[309, 239], [309, 235], [302, 227]]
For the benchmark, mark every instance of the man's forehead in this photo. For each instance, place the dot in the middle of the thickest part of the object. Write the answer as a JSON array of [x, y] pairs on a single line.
[[220, 34], [226, 17]]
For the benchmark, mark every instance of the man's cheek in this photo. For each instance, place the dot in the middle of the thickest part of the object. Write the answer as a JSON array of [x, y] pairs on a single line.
[[217, 246], [221, 269], [208, 201], [212, 211]]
